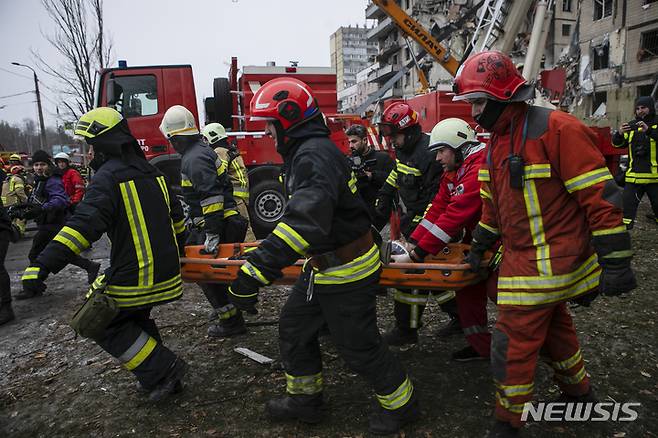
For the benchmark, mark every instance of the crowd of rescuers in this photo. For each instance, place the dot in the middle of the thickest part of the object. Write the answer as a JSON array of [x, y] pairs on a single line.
[[550, 212]]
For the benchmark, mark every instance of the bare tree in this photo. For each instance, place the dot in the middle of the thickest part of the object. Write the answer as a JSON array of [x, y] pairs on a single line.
[[81, 40]]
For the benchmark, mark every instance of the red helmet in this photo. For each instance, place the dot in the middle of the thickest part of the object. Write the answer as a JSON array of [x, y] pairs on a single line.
[[397, 117], [288, 100], [491, 75]]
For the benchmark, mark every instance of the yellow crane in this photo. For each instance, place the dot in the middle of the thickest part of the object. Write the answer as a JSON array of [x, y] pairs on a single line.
[[416, 31]]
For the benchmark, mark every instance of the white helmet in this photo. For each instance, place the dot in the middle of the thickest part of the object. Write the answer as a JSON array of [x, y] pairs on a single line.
[[213, 132], [178, 120], [453, 133], [62, 156]]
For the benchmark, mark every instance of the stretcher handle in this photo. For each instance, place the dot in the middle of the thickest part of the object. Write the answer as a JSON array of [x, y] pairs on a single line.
[[411, 266]]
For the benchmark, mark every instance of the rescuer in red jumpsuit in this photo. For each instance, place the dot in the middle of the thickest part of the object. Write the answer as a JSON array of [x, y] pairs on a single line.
[[549, 196], [455, 210]]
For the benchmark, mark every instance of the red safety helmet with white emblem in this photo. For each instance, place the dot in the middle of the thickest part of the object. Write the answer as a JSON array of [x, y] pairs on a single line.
[[288, 100], [491, 75], [397, 117]]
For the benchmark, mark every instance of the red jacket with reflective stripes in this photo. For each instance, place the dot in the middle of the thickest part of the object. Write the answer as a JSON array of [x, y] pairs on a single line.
[[457, 206], [74, 185], [568, 196]]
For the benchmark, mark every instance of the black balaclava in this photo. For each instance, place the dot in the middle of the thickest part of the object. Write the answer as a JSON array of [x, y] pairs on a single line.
[[115, 143], [222, 143], [182, 142], [489, 115], [411, 137], [287, 140]]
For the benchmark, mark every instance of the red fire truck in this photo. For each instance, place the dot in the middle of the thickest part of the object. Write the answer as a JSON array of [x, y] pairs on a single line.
[[143, 94]]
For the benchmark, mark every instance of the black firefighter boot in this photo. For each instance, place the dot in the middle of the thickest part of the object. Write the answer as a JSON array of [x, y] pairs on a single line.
[[226, 328], [305, 408], [386, 422], [6, 313], [33, 291], [171, 383]]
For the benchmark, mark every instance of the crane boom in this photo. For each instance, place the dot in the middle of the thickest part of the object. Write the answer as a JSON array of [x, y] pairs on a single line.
[[416, 31]]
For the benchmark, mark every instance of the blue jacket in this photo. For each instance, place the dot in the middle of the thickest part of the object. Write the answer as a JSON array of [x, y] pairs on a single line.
[[49, 193]]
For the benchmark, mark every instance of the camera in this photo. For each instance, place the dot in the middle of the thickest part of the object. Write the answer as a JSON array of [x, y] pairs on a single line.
[[633, 125]]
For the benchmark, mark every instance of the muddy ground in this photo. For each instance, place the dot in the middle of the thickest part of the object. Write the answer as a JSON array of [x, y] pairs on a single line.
[[52, 384]]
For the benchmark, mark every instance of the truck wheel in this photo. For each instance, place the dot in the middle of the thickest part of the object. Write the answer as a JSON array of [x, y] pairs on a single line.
[[223, 102], [267, 205]]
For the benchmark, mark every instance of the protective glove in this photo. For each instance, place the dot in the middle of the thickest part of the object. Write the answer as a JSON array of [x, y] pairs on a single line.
[[616, 279], [383, 206], [483, 239], [33, 279], [401, 258], [211, 243], [614, 253], [243, 293]]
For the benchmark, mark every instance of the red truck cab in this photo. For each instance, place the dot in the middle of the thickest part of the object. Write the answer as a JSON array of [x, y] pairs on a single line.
[[143, 94]]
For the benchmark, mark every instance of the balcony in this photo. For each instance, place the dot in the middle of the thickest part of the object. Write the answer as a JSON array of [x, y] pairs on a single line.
[[373, 12], [388, 47], [384, 74], [380, 31]]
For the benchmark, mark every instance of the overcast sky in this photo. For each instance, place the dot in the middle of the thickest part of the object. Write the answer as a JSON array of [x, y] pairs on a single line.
[[203, 33]]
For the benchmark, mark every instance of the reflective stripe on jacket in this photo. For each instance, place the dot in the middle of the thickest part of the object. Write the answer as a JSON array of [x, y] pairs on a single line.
[[455, 207], [642, 167], [134, 205], [237, 173], [568, 196], [415, 177], [324, 212], [206, 187]]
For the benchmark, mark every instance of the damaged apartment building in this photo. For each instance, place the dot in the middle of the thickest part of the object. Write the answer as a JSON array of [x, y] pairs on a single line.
[[618, 42], [609, 49], [458, 20], [396, 49]]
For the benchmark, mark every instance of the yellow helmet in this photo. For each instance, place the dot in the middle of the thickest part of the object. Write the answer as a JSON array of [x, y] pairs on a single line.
[[15, 157], [453, 133], [213, 132], [97, 121]]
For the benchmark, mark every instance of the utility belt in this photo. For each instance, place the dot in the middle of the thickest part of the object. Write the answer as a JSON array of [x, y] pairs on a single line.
[[344, 254]]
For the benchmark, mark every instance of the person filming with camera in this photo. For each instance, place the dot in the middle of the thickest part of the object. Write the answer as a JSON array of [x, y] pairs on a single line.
[[370, 167], [640, 136]]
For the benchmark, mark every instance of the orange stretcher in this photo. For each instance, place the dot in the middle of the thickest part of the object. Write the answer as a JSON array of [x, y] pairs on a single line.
[[444, 271]]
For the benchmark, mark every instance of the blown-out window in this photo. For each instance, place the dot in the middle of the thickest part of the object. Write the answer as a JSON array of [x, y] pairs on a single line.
[[602, 9], [601, 56], [648, 45]]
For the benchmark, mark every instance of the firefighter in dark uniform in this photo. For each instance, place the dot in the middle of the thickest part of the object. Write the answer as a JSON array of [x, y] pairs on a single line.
[[640, 136], [213, 218], [326, 221], [130, 200], [371, 167], [415, 179]]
